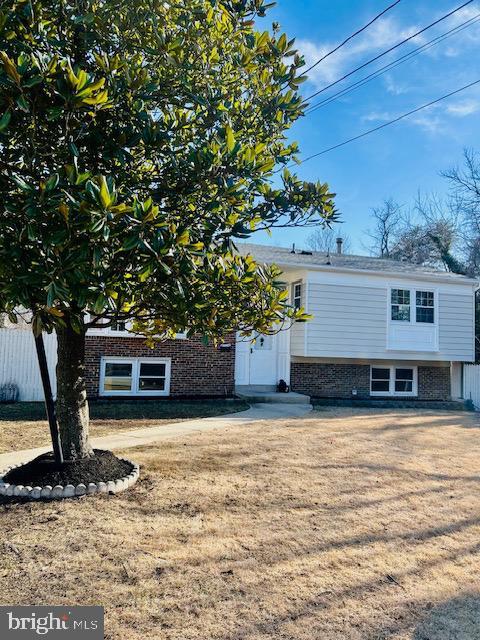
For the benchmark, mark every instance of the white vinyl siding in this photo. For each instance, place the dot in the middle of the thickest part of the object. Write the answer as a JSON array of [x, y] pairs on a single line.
[[297, 339], [351, 320]]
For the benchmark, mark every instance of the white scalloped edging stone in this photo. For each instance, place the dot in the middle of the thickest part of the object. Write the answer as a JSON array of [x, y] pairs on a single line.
[[58, 492]]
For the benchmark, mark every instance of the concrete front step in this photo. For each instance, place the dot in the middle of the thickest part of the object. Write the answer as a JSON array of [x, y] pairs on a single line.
[[254, 397]]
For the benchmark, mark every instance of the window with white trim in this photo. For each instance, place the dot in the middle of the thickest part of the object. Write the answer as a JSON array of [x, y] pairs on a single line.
[[297, 295], [393, 381], [135, 376], [425, 303], [400, 305], [401, 301], [118, 327]]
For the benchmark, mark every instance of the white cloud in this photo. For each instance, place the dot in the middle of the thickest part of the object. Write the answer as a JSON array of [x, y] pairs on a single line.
[[394, 87], [464, 108], [429, 120], [380, 36]]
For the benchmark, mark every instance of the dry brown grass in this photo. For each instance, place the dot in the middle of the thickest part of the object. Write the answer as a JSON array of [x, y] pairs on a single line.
[[23, 425], [348, 525]]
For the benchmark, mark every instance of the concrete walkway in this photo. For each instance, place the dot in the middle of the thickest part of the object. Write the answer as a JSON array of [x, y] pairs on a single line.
[[149, 435]]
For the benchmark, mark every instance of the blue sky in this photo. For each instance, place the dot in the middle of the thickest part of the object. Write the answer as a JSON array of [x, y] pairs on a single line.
[[403, 158]]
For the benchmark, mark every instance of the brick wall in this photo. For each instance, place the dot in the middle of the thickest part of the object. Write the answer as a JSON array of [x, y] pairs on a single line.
[[197, 370], [337, 380], [434, 383], [330, 380]]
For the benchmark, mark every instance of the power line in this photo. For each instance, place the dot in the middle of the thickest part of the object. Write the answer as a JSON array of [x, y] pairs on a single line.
[[395, 63], [384, 53], [354, 35], [386, 124]]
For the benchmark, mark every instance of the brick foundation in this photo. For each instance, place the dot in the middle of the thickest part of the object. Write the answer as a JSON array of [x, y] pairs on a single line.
[[323, 380], [434, 383], [330, 380], [197, 370]]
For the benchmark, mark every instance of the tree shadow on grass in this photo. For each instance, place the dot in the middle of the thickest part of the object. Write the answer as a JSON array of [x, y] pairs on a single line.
[[457, 619]]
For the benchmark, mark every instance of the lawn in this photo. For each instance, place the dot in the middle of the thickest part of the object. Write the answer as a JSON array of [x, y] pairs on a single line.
[[350, 524], [24, 426]]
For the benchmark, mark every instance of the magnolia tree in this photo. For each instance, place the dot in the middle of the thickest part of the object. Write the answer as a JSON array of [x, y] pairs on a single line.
[[138, 140]]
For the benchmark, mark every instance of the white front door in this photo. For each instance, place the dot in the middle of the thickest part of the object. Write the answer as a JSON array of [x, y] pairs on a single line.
[[263, 360]]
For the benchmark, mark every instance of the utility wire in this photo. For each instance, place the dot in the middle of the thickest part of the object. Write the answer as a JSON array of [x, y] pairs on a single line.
[[395, 63], [384, 53], [354, 35], [385, 124]]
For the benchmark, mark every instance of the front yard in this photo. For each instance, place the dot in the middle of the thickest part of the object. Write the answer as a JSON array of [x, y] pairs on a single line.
[[349, 524], [24, 425]]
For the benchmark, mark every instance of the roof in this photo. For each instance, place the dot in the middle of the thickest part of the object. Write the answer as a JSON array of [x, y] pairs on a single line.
[[317, 261]]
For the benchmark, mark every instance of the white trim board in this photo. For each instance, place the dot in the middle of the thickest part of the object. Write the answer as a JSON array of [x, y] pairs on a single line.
[[382, 281]]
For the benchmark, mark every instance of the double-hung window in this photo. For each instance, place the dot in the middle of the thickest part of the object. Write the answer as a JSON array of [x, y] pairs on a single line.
[[393, 381], [425, 301], [297, 295], [135, 376], [402, 300], [401, 305]]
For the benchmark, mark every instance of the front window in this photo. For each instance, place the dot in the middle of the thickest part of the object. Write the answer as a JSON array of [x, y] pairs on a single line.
[[402, 301], [425, 307], [135, 376], [401, 305], [152, 376], [403, 380], [118, 377], [393, 381], [380, 382]]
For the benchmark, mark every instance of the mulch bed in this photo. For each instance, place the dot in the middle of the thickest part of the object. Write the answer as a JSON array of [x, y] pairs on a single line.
[[43, 471]]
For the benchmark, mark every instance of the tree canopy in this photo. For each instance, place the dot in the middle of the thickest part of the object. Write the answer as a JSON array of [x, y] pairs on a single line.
[[138, 141]]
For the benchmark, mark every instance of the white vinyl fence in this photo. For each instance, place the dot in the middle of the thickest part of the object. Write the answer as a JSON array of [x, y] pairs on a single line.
[[18, 362], [471, 384]]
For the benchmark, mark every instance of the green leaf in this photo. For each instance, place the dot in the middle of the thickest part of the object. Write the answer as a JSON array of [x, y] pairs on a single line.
[[52, 182], [99, 305], [73, 149], [4, 121], [23, 104], [230, 138], [131, 242], [105, 197]]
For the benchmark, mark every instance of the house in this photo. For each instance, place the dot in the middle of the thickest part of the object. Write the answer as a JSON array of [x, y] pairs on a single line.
[[380, 329]]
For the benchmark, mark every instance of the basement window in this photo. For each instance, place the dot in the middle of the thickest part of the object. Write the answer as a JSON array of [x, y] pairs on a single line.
[[393, 381], [135, 376]]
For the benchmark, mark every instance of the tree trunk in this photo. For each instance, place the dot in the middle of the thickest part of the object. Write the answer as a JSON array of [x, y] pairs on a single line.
[[72, 405]]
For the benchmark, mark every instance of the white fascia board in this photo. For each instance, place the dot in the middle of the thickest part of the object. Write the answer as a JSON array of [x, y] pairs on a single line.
[[384, 280], [397, 275]]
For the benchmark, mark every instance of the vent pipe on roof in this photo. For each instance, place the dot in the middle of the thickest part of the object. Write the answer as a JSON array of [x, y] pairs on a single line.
[[339, 245]]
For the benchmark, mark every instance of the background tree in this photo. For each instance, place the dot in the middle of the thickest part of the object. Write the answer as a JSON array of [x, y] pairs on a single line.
[[325, 240], [387, 223], [138, 140], [428, 234], [465, 193]]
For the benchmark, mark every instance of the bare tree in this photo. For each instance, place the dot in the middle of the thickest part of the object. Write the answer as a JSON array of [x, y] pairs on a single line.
[[388, 224], [426, 234], [465, 192], [324, 240]]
